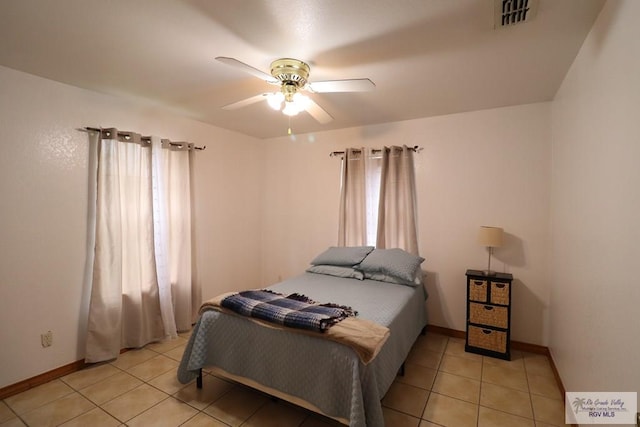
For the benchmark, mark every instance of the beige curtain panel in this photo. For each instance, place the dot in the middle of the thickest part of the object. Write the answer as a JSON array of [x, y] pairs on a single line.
[[141, 287], [397, 216], [352, 225]]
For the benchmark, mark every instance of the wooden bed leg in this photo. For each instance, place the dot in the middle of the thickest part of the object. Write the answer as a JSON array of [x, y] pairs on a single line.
[[423, 332], [199, 379], [401, 371]]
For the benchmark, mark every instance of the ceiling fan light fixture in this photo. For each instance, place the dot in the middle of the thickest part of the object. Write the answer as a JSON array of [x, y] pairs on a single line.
[[294, 101], [275, 100], [298, 103], [302, 101], [290, 109]]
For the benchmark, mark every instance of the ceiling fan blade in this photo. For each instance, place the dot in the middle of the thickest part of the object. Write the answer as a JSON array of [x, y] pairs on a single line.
[[317, 112], [248, 69], [245, 102], [351, 85]]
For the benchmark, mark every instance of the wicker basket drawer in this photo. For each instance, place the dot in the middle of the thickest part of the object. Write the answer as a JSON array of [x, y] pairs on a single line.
[[478, 290], [500, 293], [488, 315], [487, 339]]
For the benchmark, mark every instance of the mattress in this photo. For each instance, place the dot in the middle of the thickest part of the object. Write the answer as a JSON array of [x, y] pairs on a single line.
[[327, 375]]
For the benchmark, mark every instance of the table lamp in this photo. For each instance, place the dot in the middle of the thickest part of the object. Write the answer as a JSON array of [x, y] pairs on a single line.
[[491, 237]]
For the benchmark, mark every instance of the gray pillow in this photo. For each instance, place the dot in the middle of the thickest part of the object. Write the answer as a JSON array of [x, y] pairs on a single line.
[[394, 264], [336, 270], [343, 256], [381, 277]]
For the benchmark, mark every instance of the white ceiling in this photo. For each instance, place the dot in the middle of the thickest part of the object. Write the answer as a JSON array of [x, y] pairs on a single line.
[[426, 57]]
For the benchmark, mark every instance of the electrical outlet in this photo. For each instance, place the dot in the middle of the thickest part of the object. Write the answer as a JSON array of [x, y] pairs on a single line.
[[47, 339]]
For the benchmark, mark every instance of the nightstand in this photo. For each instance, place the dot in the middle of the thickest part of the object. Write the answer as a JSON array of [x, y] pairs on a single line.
[[489, 314]]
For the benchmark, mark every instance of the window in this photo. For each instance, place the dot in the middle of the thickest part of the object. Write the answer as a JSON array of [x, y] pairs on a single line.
[[377, 202]]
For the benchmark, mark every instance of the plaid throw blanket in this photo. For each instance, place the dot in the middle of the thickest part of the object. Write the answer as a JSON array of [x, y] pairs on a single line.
[[294, 311]]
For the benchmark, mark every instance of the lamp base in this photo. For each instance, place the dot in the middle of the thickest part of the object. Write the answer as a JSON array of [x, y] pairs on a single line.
[[489, 272]]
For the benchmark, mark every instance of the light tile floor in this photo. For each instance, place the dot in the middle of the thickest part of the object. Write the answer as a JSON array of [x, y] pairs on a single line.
[[442, 386]]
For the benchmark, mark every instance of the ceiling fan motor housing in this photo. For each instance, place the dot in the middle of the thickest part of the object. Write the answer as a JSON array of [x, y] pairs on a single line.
[[290, 71]]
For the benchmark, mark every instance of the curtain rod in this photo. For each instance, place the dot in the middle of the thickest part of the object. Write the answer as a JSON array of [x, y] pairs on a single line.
[[146, 139], [415, 149]]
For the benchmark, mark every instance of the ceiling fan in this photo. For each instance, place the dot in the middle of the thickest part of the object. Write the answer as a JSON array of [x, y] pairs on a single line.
[[292, 76]]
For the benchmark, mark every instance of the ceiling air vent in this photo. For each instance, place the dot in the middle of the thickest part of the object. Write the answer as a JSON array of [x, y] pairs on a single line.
[[512, 12]]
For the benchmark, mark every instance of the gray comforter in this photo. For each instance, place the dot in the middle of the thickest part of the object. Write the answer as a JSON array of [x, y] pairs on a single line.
[[327, 374]]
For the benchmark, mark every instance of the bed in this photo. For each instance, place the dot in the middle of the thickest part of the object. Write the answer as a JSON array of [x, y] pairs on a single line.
[[383, 286]]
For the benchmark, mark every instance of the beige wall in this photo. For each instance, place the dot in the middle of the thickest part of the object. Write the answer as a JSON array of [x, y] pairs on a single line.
[[487, 167], [43, 208], [595, 205]]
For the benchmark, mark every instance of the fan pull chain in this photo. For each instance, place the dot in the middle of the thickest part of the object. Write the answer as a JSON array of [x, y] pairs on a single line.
[[289, 130]]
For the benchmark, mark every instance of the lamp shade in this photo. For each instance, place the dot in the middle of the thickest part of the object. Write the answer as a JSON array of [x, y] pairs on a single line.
[[490, 236]]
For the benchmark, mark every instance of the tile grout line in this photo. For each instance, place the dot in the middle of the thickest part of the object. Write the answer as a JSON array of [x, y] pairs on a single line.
[[526, 376], [434, 380], [480, 391]]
